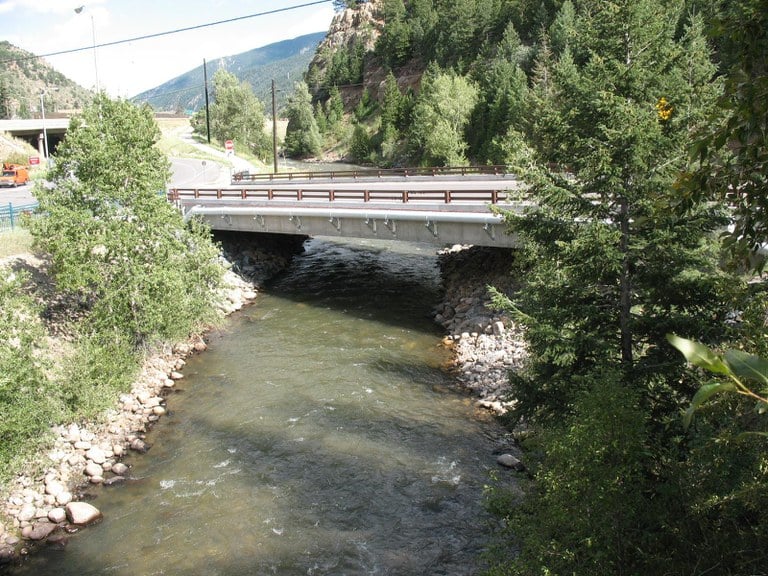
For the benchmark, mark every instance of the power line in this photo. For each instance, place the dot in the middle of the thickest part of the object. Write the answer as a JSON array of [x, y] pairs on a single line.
[[158, 34]]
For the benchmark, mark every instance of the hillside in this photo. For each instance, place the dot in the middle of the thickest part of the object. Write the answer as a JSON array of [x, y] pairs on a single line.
[[23, 76], [284, 61]]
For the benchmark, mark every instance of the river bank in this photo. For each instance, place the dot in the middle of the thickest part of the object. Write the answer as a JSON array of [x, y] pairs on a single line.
[[44, 504]]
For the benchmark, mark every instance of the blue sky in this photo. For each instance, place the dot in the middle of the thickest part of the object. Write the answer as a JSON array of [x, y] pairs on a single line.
[[47, 26]]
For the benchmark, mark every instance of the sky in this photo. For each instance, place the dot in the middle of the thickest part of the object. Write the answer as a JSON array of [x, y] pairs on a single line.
[[126, 69]]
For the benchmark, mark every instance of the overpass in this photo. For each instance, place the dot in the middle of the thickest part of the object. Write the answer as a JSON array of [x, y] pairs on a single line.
[[32, 131], [444, 207]]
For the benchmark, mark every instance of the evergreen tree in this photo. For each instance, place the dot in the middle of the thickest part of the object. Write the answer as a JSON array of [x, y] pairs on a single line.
[[302, 138], [612, 269], [392, 104], [730, 163], [394, 44]]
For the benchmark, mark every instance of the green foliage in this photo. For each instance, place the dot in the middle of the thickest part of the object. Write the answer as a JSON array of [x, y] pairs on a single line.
[[392, 105], [611, 269], [440, 116], [743, 371], [394, 44], [733, 154], [302, 138], [28, 398], [238, 115], [104, 365], [586, 512], [360, 146], [114, 239]]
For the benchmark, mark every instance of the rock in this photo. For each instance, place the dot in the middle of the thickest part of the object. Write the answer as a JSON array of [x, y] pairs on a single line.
[[41, 530], [96, 455], [176, 375], [64, 498], [27, 512], [509, 461], [120, 469], [138, 445], [82, 513], [54, 488], [114, 480], [82, 445], [57, 515], [93, 469]]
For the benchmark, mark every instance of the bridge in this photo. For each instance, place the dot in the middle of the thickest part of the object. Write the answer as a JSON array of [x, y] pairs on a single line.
[[442, 206], [33, 131]]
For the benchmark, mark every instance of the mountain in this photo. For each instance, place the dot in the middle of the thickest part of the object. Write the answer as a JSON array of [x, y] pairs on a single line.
[[23, 76], [284, 61]]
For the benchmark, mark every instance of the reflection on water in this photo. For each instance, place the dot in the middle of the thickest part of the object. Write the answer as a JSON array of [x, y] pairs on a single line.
[[318, 435]]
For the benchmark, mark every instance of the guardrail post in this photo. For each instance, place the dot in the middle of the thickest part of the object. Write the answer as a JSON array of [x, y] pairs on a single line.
[[10, 213]]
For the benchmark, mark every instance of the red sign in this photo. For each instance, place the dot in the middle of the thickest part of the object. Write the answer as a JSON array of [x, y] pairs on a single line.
[[229, 145], [34, 160]]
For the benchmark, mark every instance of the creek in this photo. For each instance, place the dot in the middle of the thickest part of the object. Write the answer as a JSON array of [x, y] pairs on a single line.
[[319, 434]]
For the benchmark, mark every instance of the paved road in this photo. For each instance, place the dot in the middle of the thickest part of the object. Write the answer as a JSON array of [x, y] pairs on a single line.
[[16, 196]]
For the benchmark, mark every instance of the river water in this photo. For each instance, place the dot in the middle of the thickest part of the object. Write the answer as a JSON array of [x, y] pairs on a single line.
[[319, 434]]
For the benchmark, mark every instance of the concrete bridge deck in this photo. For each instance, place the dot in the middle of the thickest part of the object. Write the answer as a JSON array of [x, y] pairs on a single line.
[[442, 210]]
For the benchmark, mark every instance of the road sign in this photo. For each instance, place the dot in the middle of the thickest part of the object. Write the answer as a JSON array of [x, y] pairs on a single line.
[[229, 146], [34, 160]]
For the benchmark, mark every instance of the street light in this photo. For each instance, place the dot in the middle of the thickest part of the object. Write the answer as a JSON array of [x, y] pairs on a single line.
[[42, 116], [78, 10]]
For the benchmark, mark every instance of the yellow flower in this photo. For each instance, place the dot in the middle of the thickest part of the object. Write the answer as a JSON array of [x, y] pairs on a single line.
[[664, 109]]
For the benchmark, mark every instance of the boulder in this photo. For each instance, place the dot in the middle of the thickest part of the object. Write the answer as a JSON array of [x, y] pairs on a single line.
[[509, 461], [41, 530], [82, 513], [96, 455], [57, 515]]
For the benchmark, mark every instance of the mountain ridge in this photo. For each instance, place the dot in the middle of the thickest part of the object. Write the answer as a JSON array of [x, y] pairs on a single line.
[[284, 61]]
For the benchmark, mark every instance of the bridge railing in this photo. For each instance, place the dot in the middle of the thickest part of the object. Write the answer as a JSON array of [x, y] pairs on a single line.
[[495, 170], [334, 195]]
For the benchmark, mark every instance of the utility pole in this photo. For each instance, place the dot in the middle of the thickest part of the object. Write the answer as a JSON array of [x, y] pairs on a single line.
[[207, 117], [274, 126]]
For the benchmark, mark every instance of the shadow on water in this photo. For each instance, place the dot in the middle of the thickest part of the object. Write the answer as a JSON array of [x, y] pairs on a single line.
[[335, 273]]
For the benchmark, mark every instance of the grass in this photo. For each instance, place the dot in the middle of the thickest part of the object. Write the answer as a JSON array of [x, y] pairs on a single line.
[[15, 242]]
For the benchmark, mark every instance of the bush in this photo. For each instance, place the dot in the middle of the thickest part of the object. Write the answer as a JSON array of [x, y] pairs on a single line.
[[29, 403]]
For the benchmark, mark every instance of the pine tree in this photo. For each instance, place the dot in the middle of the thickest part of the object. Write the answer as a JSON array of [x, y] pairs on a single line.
[[612, 269]]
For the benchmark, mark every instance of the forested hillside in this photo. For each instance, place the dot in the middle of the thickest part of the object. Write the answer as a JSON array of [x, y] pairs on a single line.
[[639, 128], [22, 78]]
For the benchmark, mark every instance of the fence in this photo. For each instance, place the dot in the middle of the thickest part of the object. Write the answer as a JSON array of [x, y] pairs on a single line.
[[10, 215]]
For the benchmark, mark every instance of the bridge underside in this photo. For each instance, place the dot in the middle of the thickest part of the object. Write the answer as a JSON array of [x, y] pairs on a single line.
[[441, 227]]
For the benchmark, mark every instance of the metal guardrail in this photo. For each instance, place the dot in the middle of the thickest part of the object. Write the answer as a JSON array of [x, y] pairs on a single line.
[[334, 195], [10, 215], [495, 170]]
